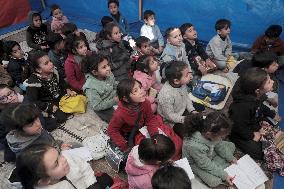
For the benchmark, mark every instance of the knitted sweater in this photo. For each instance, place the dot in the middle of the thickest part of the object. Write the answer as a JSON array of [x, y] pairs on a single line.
[[100, 93], [153, 33], [172, 102]]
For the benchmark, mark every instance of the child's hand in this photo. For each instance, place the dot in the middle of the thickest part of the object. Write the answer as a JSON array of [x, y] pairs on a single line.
[[202, 69], [257, 136], [277, 118], [235, 161], [210, 64], [70, 92], [65, 146], [161, 48], [54, 108], [229, 180], [116, 99]]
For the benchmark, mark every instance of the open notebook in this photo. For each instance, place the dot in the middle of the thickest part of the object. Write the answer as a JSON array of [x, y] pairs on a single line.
[[183, 163], [247, 174]]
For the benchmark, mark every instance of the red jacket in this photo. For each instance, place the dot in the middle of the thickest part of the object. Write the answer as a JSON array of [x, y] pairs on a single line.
[[75, 77], [123, 121]]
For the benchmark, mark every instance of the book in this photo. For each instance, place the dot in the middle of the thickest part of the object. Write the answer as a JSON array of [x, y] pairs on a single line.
[[82, 152], [279, 141], [246, 173], [183, 163]]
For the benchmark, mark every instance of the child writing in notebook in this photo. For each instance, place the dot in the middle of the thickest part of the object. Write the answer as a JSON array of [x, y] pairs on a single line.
[[45, 167], [146, 158], [207, 153], [100, 86]]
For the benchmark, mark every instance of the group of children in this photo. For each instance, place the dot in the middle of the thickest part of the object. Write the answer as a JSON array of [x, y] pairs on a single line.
[[145, 87]]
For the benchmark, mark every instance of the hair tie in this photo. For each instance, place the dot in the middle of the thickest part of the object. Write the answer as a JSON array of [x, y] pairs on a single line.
[[155, 141]]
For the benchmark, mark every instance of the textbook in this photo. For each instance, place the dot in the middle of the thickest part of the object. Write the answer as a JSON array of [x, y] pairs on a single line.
[[246, 173]]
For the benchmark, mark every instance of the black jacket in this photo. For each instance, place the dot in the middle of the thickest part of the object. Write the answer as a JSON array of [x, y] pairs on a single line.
[[15, 69]]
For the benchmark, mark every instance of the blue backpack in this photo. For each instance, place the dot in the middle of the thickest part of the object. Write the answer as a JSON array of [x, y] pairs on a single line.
[[210, 92]]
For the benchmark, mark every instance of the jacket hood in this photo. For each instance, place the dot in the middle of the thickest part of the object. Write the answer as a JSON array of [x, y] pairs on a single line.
[[238, 95], [30, 17], [134, 167]]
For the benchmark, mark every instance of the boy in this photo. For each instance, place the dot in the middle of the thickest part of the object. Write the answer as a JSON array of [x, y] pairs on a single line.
[[36, 32], [270, 41], [143, 47], [152, 31], [56, 53], [118, 19], [220, 46], [197, 57]]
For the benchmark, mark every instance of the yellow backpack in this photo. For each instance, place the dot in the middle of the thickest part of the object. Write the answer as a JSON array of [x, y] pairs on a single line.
[[73, 104]]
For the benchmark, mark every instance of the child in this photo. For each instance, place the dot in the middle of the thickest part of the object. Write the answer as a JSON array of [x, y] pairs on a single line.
[[169, 177], [44, 167], [146, 158], [145, 73], [220, 46], [44, 87], [118, 55], [133, 109], [270, 41], [207, 153], [77, 50], [17, 63], [100, 86], [247, 93], [152, 31], [58, 19], [36, 32], [173, 100], [57, 53], [5, 77], [143, 47], [195, 50], [104, 21], [118, 19]]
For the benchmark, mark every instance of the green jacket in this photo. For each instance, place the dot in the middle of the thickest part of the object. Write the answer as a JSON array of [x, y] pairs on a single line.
[[201, 153], [100, 93]]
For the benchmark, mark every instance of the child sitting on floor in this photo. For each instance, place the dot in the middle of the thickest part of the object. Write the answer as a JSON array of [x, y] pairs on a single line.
[[207, 153], [58, 19], [146, 158], [219, 47], [100, 86], [142, 47], [118, 19]]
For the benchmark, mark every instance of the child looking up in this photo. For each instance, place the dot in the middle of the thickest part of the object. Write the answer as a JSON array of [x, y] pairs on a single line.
[[219, 47], [173, 100], [146, 158], [118, 18], [36, 32], [100, 86], [207, 153], [142, 47], [145, 68], [17, 63], [77, 50], [152, 31], [247, 93], [44, 167], [58, 19]]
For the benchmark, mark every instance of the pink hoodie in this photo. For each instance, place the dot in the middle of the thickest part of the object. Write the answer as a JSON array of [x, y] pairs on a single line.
[[147, 82], [56, 24], [139, 175]]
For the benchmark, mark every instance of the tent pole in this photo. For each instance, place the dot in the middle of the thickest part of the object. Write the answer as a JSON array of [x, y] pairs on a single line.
[[43, 4], [140, 9]]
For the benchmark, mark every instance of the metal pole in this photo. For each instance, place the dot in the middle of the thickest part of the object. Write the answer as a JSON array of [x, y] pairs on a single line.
[[140, 9], [43, 4]]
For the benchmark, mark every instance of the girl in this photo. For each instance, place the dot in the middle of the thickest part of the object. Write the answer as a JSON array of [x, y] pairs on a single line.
[[58, 19], [145, 73], [77, 50], [44, 87], [145, 159], [132, 108], [118, 55], [247, 93], [207, 153], [100, 86], [44, 167]]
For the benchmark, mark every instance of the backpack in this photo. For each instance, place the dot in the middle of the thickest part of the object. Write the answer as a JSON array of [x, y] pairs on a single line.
[[209, 91]]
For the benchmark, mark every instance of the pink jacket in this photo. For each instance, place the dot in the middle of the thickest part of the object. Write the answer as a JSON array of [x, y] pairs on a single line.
[[147, 82], [57, 24], [139, 175]]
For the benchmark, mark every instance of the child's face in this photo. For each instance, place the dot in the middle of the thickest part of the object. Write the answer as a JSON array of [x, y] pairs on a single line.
[[150, 21], [137, 94], [33, 128], [268, 85], [153, 65], [55, 164], [103, 69], [77, 33], [81, 49], [272, 67], [17, 52], [115, 34], [60, 45], [113, 9], [36, 21], [8, 96], [145, 48], [224, 32], [190, 33], [45, 66], [185, 78], [57, 13], [175, 38]]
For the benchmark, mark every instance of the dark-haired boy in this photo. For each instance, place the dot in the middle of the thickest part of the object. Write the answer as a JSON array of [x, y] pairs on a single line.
[[152, 31], [113, 7], [220, 46]]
